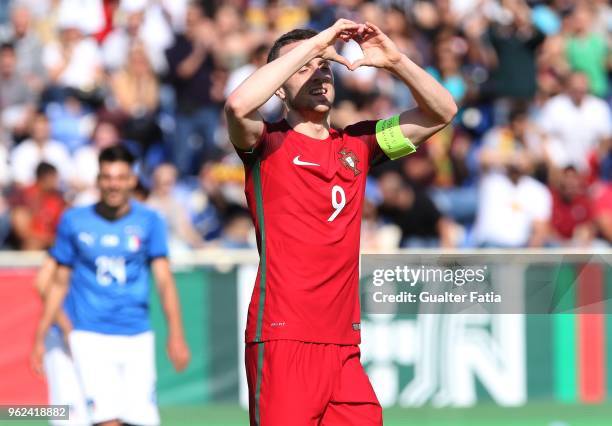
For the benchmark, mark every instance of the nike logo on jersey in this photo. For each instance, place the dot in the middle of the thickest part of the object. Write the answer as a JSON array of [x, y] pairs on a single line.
[[297, 162]]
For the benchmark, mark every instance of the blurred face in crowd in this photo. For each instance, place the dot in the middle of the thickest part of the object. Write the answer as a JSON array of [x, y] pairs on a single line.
[[105, 135], [138, 60], [581, 19], [446, 57], [228, 19], [371, 12], [116, 181], [577, 87], [21, 20], [239, 229], [134, 21], [518, 125], [193, 19], [40, 128], [164, 179], [396, 22], [571, 184], [49, 182], [390, 184], [7, 61], [70, 36], [311, 88]]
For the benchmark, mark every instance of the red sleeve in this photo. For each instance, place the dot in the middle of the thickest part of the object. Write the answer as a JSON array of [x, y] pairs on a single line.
[[366, 131], [602, 204]]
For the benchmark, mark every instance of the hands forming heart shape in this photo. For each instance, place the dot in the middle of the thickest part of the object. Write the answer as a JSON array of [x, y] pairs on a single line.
[[378, 49]]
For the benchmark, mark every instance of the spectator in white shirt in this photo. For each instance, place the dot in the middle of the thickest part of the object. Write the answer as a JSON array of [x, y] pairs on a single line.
[[75, 61], [575, 124], [26, 156], [514, 209], [130, 31]]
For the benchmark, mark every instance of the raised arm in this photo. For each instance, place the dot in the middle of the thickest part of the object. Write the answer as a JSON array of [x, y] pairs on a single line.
[[435, 105], [245, 125]]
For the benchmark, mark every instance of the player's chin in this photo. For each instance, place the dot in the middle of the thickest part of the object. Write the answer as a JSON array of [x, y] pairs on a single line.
[[114, 199], [322, 106]]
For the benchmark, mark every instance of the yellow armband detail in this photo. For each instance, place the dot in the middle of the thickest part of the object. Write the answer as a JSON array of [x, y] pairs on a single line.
[[391, 140]]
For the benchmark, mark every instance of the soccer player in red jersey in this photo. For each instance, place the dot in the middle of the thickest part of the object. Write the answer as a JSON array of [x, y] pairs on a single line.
[[305, 185]]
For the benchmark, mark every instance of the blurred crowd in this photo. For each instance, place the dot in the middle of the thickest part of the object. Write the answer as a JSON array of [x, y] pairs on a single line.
[[526, 163]]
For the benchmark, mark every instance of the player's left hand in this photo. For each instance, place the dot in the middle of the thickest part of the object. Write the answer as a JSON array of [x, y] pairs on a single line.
[[378, 49], [178, 352], [36, 357]]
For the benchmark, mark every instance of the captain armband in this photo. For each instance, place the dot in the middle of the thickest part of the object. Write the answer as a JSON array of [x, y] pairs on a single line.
[[391, 139]]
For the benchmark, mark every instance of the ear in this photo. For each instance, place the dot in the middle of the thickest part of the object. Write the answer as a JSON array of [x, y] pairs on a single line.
[[133, 181]]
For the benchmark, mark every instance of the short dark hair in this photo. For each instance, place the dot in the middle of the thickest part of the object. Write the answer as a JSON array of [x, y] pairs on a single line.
[[116, 153], [200, 6], [45, 169], [288, 38], [7, 45]]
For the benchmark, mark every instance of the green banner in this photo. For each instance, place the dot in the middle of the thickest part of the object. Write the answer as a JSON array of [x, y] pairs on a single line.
[[414, 360]]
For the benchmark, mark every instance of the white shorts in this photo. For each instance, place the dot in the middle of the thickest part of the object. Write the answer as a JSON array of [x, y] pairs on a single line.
[[63, 382], [118, 376]]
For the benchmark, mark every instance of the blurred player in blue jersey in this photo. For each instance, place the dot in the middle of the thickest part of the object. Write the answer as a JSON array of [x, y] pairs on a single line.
[[104, 253]]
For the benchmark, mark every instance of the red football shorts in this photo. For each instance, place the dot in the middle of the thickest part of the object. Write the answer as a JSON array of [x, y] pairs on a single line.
[[293, 383]]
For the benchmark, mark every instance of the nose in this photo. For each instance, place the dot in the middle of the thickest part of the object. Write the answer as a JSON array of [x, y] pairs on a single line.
[[321, 76]]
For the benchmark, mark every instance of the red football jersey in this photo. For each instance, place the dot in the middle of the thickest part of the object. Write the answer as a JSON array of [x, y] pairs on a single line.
[[305, 196]]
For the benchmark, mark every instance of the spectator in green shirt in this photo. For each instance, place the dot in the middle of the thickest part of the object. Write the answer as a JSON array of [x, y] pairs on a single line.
[[587, 50]]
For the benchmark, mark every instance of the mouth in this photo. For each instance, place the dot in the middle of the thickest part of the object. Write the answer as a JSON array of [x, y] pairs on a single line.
[[318, 91]]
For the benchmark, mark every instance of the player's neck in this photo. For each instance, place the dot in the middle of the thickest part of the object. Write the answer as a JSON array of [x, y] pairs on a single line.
[[112, 213], [314, 125]]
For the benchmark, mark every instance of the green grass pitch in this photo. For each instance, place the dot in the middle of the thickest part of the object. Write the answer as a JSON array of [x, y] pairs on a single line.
[[533, 414]]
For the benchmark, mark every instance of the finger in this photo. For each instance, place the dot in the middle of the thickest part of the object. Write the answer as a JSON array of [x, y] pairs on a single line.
[[181, 363], [341, 23], [346, 26], [346, 36], [341, 60], [36, 366], [358, 63], [373, 27], [345, 21], [178, 364]]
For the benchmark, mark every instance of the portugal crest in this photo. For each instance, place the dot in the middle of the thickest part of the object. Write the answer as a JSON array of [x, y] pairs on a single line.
[[349, 159]]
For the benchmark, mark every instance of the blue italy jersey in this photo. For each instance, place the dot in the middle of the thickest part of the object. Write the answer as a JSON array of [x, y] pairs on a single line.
[[109, 285]]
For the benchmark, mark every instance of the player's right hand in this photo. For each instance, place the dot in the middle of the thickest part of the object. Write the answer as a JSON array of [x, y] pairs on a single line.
[[343, 29], [36, 357]]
